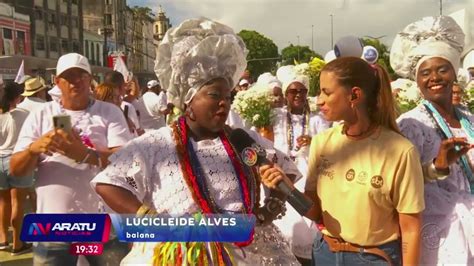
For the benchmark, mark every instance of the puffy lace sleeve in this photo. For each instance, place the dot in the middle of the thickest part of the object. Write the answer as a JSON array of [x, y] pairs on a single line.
[[127, 169], [419, 129], [131, 167]]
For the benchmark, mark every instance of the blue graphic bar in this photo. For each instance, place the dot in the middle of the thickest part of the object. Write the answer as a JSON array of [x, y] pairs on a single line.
[[65, 228], [187, 228]]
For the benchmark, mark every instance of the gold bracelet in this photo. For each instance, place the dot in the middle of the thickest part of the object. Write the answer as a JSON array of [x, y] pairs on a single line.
[[143, 210]]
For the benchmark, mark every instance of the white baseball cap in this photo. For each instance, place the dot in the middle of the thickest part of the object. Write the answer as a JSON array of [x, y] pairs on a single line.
[[152, 83], [243, 82], [72, 60]]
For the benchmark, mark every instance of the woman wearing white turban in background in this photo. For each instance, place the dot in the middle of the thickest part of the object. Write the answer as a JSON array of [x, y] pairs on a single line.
[[429, 51], [199, 62], [274, 87], [294, 126]]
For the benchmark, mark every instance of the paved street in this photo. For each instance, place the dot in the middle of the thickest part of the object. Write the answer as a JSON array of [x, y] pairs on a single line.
[[7, 260]]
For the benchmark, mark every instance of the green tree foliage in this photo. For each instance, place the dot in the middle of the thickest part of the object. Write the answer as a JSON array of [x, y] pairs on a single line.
[[263, 53], [315, 67], [384, 55], [297, 54], [143, 13]]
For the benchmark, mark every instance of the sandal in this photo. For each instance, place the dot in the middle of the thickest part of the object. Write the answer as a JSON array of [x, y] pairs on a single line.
[[24, 249], [4, 245]]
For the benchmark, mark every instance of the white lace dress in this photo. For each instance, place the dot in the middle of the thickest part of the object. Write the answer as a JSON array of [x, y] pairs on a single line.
[[448, 223], [298, 230], [149, 167]]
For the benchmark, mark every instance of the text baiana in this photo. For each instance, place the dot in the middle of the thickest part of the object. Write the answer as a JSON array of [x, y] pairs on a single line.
[[180, 221]]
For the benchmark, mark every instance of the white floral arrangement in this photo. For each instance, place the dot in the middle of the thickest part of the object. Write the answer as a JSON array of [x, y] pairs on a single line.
[[312, 102], [408, 96], [254, 105], [302, 69], [470, 95]]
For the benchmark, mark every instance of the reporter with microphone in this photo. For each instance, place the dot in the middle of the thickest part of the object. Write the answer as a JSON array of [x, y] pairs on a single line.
[[364, 178]]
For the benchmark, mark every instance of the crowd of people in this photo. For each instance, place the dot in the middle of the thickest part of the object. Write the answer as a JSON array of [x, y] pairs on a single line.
[[386, 189]]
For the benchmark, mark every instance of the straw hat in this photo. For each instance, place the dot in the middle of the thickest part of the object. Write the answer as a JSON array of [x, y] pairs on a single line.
[[32, 86]]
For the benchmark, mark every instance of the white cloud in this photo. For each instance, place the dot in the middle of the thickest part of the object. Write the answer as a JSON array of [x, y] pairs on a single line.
[[284, 20]]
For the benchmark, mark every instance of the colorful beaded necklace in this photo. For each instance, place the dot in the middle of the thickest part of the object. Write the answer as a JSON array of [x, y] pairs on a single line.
[[445, 132], [195, 179], [289, 126]]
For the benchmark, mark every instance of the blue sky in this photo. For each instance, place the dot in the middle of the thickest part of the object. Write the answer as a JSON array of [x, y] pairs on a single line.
[[286, 21]]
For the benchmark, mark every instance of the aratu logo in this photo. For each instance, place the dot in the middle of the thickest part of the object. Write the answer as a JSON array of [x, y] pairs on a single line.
[[39, 229], [65, 227]]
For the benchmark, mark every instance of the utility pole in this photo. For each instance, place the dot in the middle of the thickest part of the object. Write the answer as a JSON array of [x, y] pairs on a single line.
[[312, 37], [104, 49], [298, 47], [440, 7], [332, 32]]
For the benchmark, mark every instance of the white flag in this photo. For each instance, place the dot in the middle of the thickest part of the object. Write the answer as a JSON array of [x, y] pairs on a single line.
[[21, 73], [122, 68]]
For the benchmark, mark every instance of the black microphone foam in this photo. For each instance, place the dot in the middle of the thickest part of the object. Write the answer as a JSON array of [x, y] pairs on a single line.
[[242, 140]]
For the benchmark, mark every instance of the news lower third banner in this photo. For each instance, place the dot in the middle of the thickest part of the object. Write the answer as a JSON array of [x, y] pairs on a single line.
[[187, 228], [65, 228], [129, 228]]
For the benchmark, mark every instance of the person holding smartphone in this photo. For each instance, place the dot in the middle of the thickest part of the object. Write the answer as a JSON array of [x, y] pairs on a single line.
[[69, 154]]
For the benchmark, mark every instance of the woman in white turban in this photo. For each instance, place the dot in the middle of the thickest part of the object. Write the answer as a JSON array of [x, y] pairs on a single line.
[[429, 52], [274, 87], [293, 126], [192, 167]]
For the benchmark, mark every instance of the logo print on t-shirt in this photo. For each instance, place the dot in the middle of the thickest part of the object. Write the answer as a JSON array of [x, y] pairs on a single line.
[[350, 174], [376, 181], [324, 166], [362, 177]]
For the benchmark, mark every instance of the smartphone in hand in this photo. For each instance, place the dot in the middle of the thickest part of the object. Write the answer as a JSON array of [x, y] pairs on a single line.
[[62, 122]]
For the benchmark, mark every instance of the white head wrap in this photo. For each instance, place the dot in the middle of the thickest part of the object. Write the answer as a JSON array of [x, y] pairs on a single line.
[[430, 37], [269, 80], [195, 52], [289, 74], [329, 56], [463, 78], [468, 60]]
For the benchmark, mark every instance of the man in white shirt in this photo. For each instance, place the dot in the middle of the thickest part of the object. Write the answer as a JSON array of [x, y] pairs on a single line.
[[35, 94], [66, 160], [153, 107]]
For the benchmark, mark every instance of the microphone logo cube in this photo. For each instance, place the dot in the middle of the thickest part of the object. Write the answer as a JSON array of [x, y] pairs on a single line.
[[249, 156]]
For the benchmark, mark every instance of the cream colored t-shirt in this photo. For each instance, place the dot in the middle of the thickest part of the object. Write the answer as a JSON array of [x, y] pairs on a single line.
[[364, 184]]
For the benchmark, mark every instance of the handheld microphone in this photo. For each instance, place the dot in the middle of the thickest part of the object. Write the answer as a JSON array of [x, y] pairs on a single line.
[[253, 154]]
